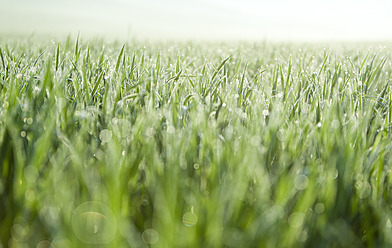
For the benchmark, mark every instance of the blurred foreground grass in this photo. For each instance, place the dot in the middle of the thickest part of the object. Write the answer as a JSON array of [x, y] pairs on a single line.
[[194, 145]]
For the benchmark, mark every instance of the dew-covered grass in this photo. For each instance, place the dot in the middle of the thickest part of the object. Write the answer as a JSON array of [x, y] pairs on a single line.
[[104, 144]]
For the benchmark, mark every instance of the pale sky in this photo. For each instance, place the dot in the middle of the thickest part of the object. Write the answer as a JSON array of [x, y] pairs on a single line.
[[282, 20]]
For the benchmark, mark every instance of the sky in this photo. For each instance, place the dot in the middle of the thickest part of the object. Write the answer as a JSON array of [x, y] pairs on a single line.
[[281, 20]]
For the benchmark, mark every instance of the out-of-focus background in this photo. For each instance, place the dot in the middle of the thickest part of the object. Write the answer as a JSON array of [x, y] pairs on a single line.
[[281, 20]]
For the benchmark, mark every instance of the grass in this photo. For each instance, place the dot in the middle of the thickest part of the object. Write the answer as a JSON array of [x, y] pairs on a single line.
[[194, 145]]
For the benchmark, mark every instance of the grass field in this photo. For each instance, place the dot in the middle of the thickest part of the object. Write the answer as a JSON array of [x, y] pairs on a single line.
[[194, 144]]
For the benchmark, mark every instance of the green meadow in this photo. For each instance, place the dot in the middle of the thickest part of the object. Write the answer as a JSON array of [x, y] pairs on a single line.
[[109, 144]]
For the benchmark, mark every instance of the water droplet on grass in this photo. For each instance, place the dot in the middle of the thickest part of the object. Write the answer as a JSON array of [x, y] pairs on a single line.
[[44, 244], [296, 220], [150, 236], [358, 184], [189, 219], [265, 112], [301, 182], [114, 121], [302, 236], [105, 135], [274, 213], [94, 223], [363, 190], [335, 174], [28, 120], [19, 232], [319, 208]]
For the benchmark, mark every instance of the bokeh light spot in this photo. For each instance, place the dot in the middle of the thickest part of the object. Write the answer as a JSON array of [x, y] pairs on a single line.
[[296, 220], [150, 236], [301, 182], [94, 223], [105, 135]]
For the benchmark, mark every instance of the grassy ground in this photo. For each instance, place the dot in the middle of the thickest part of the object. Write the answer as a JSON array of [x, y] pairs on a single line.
[[194, 145]]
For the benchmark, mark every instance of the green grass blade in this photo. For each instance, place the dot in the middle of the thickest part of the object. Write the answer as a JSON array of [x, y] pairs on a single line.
[[119, 58]]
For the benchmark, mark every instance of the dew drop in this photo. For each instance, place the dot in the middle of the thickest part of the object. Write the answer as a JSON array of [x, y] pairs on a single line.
[[114, 121], [364, 190], [296, 220], [94, 223], [23, 134], [301, 182], [19, 232], [335, 174], [319, 208], [150, 236], [302, 236], [105, 135], [44, 244], [189, 219]]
